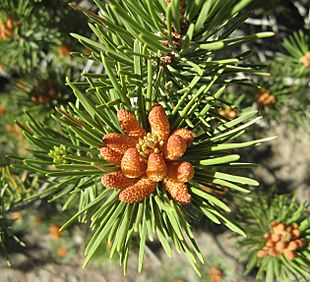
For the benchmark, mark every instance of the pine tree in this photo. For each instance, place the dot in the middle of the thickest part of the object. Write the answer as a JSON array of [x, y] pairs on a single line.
[[164, 74], [147, 141]]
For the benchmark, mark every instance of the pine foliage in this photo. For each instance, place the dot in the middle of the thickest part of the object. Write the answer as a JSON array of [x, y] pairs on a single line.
[[152, 52]]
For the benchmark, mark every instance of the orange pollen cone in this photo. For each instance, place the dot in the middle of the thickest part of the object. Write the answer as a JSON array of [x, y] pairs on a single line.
[[185, 134], [275, 237], [62, 251], [267, 235], [296, 233], [295, 225], [111, 156], [292, 246], [119, 142], [185, 172], [7, 29], [117, 180], [156, 167], [132, 164], [290, 255], [301, 242], [159, 122], [261, 254], [178, 191], [138, 192], [180, 171], [280, 246], [305, 60], [175, 148], [130, 124]]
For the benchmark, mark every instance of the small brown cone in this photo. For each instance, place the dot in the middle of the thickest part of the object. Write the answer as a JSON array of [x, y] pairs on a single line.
[[156, 167], [292, 246], [64, 50], [261, 253], [215, 274], [180, 171], [280, 246], [270, 243], [185, 172], [275, 237], [167, 59], [270, 101], [228, 113], [159, 122], [300, 242], [267, 235], [138, 192], [16, 215], [279, 229], [290, 255], [295, 225], [266, 99], [174, 148], [119, 142], [289, 229], [186, 134], [273, 252], [10, 23], [117, 180], [130, 124], [132, 164], [54, 231], [296, 233], [111, 156], [62, 251], [178, 191], [7, 29]]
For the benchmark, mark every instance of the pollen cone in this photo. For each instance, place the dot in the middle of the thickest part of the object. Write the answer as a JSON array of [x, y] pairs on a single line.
[[130, 124], [138, 192], [132, 164], [156, 167], [117, 180], [185, 134], [119, 142], [174, 148], [111, 156], [178, 191], [180, 171], [290, 255], [159, 122]]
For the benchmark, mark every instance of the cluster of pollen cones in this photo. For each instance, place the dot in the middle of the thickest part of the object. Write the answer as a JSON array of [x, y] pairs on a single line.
[[228, 113], [148, 158], [283, 239], [54, 231], [265, 98], [7, 29]]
